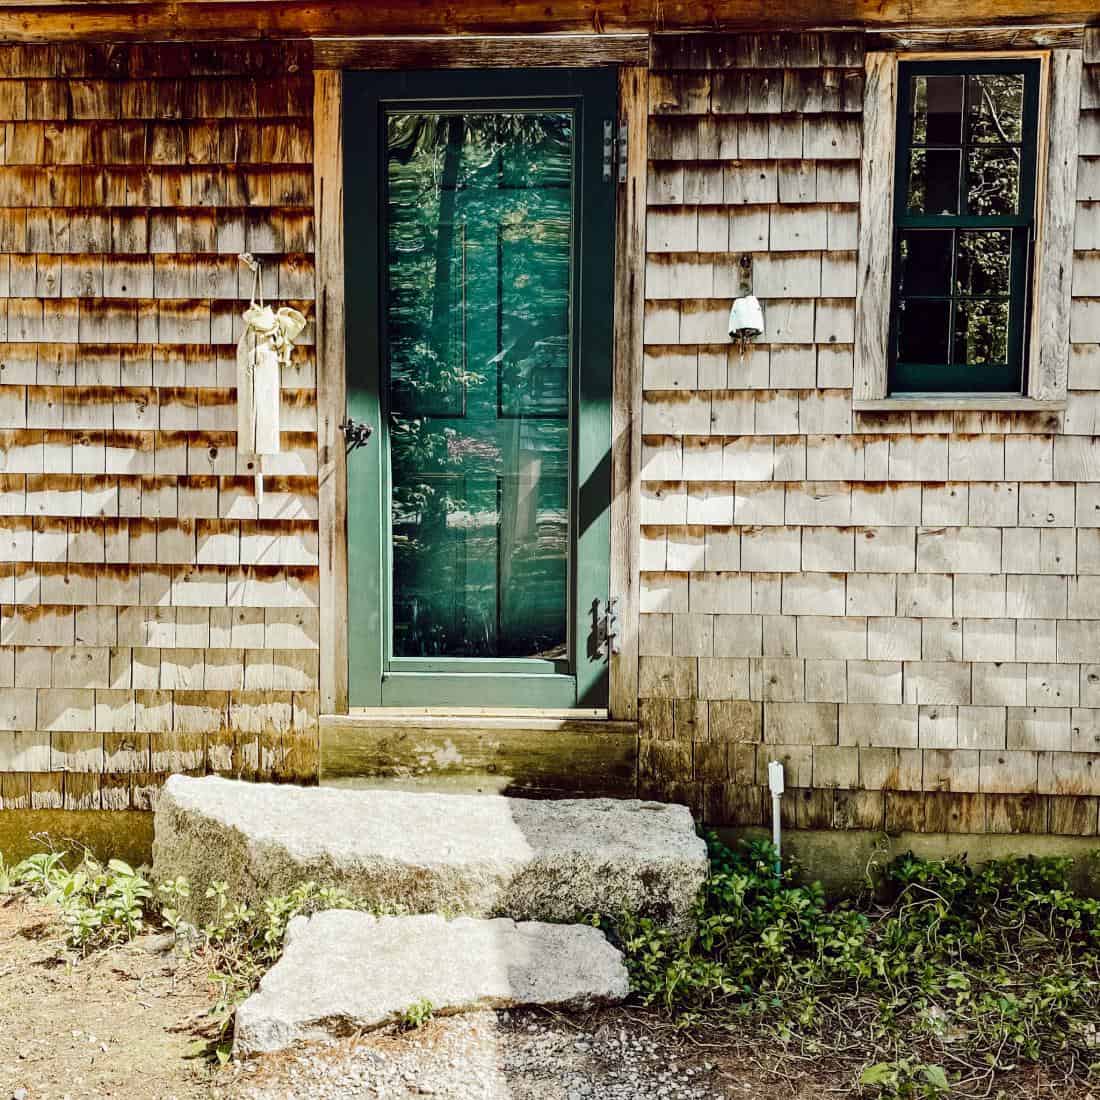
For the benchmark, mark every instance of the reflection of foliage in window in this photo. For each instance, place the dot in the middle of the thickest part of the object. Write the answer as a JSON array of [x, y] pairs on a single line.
[[964, 218], [468, 331]]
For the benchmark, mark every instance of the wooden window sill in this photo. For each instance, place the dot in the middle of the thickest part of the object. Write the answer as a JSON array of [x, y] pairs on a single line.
[[976, 402]]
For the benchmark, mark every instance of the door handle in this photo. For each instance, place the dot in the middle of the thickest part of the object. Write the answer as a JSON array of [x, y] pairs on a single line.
[[356, 433]]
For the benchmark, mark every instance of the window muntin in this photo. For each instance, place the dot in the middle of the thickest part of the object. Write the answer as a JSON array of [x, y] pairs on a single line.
[[964, 217]]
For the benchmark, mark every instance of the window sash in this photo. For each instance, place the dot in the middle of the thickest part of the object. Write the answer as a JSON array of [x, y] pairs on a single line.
[[910, 377]]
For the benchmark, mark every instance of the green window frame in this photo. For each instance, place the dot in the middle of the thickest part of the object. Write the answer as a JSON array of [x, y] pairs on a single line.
[[376, 676], [974, 292]]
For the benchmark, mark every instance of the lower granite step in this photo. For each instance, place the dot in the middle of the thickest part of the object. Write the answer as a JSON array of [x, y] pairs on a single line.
[[343, 972]]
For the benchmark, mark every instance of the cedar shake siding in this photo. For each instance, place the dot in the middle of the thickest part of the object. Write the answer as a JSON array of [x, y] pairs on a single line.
[[155, 616], [902, 606]]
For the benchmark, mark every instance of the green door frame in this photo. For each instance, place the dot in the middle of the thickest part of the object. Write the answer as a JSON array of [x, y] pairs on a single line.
[[375, 679]]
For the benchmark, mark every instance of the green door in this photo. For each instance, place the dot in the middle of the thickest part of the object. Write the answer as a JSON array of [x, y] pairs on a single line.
[[478, 211]]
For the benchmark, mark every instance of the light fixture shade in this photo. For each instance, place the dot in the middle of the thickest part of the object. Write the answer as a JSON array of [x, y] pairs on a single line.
[[746, 318]]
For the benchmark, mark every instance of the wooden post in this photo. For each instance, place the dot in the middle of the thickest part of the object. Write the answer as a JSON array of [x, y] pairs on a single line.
[[876, 226], [626, 401], [328, 175], [1054, 263]]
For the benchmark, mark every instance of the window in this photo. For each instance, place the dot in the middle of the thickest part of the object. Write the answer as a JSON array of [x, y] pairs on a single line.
[[964, 224], [967, 186]]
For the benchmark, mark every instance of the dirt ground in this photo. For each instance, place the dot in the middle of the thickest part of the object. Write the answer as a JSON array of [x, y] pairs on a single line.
[[116, 1024], [130, 1022]]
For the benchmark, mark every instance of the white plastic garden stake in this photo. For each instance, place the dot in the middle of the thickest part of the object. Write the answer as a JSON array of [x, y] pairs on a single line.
[[775, 785]]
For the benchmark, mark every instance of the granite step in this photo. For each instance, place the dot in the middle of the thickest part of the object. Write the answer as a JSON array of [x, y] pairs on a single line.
[[455, 854], [342, 972]]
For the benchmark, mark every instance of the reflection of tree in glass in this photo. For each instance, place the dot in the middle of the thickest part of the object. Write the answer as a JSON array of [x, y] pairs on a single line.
[[979, 118], [982, 274], [478, 238], [996, 107]]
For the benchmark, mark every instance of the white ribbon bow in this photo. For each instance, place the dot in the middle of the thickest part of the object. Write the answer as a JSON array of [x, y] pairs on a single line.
[[265, 345]]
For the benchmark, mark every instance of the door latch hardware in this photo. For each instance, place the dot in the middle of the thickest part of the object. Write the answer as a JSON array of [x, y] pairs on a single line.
[[623, 145], [607, 627], [608, 148], [356, 433]]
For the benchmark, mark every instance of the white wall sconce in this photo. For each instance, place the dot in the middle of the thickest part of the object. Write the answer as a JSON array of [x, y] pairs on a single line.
[[746, 319]]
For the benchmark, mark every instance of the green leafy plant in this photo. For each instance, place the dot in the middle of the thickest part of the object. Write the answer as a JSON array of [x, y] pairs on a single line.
[[172, 892], [99, 904], [417, 1015], [905, 1079], [105, 904], [980, 968]]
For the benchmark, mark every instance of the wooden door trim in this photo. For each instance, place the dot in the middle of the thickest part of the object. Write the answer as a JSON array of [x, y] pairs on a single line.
[[328, 199], [626, 389], [629, 301], [568, 51]]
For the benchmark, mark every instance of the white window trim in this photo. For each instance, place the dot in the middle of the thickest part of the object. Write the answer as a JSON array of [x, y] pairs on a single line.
[[1047, 365]]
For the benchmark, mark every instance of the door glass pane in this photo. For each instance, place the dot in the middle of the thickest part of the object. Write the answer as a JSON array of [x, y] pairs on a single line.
[[479, 232]]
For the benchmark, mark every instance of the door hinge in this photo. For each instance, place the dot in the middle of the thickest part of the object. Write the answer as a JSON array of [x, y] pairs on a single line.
[[607, 627], [614, 149]]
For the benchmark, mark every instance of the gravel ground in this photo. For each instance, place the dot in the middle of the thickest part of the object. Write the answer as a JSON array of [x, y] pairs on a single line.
[[496, 1056]]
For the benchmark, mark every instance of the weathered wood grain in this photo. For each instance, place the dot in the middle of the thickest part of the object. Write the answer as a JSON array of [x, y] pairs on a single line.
[[1050, 336], [502, 51], [331, 389], [939, 402], [626, 427], [523, 754], [875, 227], [31, 21], [157, 594], [978, 38]]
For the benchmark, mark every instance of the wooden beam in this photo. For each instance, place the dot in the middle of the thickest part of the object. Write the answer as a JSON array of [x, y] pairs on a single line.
[[517, 754], [1092, 45], [965, 39], [195, 20], [328, 197], [626, 389], [968, 402], [478, 52]]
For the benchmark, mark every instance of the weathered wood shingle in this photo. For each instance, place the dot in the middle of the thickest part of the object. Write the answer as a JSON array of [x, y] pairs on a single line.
[[153, 613], [899, 607]]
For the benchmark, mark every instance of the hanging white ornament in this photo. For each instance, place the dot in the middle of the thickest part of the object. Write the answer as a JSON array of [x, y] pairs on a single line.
[[264, 348]]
